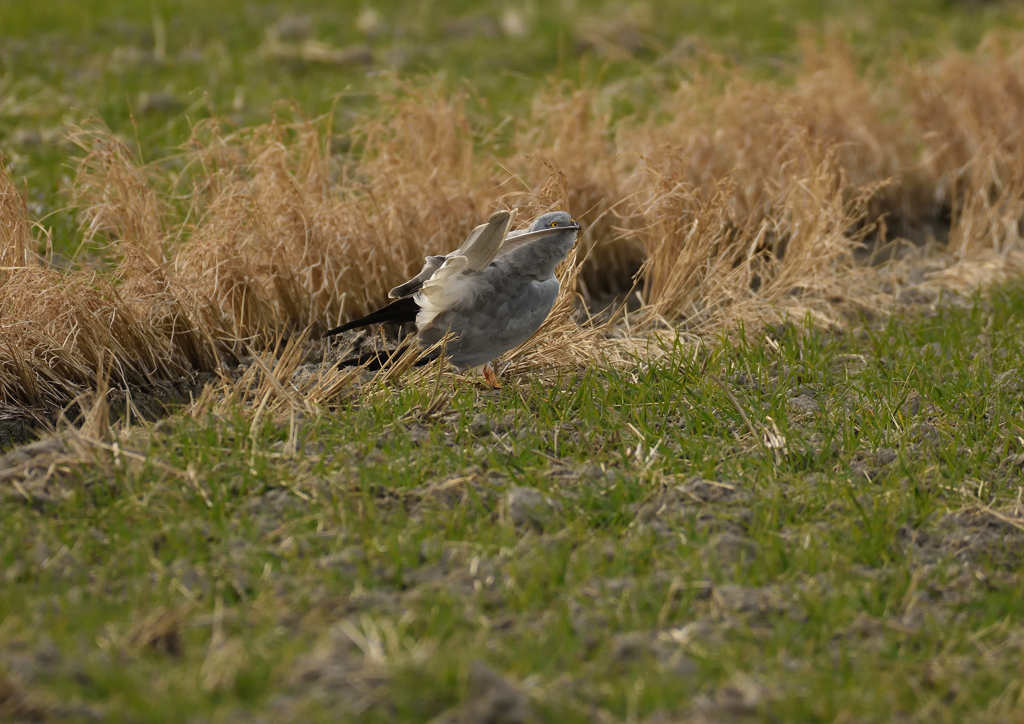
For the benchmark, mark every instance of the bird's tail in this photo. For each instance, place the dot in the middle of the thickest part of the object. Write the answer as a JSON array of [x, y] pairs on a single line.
[[398, 312], [378, 361]]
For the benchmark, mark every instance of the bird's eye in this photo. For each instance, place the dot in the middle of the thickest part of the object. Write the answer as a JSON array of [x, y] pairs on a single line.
[[554, 224]]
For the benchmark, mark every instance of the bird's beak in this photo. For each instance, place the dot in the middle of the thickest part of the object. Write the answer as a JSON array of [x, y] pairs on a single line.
[[541, 233]]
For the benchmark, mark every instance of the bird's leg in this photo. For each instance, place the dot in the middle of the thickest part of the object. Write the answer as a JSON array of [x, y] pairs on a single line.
[[489, 375]]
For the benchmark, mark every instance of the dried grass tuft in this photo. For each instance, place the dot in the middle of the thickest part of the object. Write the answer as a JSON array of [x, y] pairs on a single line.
[[969, 112], [708, 266], [58, 327]]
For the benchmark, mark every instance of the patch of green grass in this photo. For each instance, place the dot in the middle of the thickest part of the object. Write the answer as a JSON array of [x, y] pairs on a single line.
[[847, 558]]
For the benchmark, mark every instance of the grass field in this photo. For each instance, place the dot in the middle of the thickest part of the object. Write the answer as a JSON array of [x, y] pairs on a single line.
[[787, 488]]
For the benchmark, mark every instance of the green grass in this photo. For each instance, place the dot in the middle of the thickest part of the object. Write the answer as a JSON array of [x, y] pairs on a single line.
[[826, 581]]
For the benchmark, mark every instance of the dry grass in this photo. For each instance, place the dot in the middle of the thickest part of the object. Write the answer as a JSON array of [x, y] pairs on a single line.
[[710, 265], [566, 133], [741, 200], [969, 111], [59, 327]]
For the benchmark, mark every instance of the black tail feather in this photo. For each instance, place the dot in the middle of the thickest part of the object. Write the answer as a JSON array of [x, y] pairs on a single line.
[[398, 312], [378, 360]]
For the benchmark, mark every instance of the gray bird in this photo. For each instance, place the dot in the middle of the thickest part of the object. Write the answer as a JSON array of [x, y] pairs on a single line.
[[491, 294]]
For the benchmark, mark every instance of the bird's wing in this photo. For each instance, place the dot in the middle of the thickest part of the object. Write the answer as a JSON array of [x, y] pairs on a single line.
[[484, 242], [453, 284], [511, 244], [431, 265], [458, 279], [479, 249]]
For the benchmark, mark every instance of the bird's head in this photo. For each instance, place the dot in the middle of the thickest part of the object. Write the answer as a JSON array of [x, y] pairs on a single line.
[[555, 220]]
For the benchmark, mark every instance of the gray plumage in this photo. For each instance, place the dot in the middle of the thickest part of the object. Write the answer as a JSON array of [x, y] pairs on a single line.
[[501, 306], [491, 294]]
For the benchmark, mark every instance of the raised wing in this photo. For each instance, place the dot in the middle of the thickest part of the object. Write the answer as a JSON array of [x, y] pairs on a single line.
[[431, 265], [479, 249], [483, 243], [452, 284]]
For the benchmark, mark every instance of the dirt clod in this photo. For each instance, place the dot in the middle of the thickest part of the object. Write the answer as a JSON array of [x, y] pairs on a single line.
[[804, 405], [493, 699], [16, 704], [528, 507]]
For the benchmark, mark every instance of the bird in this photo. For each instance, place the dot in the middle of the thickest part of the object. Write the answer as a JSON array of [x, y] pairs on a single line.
[[491, 294]]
